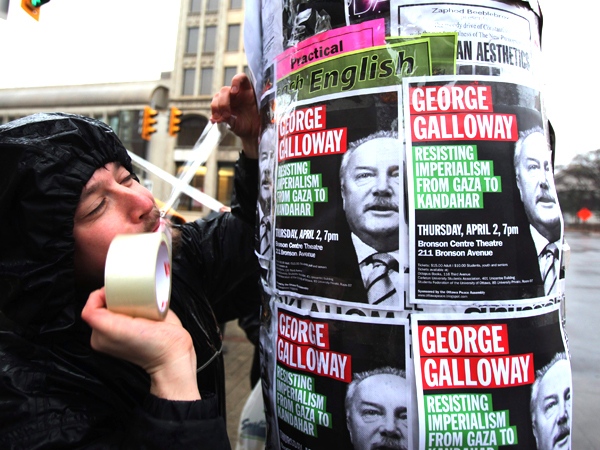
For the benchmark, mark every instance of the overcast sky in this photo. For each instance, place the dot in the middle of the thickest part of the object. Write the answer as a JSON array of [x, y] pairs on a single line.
[[99, 41], [88, 41]]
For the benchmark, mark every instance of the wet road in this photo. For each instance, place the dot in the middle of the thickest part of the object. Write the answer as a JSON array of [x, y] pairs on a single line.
[[583, 331]]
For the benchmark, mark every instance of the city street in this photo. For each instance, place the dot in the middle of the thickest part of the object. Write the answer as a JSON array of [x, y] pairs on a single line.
[[583, 332]]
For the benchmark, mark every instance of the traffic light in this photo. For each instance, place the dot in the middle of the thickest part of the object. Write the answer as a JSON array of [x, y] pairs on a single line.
[[148, 122], [32, 7], [174, 121]]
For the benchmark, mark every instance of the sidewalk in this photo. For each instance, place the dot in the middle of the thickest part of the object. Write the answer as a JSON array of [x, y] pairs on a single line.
[[238, 359]]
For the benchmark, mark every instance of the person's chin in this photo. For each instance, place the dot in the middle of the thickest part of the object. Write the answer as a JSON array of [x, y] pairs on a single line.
[[549, 217], [265, 193]]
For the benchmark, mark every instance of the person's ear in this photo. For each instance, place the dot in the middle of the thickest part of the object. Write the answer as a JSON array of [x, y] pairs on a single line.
[[534, 430], [518, 182], [349, 428]]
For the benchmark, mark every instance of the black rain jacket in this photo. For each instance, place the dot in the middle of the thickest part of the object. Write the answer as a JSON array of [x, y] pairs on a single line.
[[55, 391]]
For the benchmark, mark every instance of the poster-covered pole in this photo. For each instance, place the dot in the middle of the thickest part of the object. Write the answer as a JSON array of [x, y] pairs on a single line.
[[410, 235]]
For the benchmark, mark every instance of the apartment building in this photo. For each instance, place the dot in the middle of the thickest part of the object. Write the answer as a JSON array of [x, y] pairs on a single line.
[[208, 53]]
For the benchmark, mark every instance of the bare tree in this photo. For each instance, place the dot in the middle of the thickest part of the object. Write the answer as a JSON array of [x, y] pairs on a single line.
[[578, 183]]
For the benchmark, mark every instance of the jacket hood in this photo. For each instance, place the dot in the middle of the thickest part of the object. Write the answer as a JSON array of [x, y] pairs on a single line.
[[45, 161]]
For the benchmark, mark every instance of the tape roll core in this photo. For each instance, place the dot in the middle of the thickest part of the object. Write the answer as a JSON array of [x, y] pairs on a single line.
[[163, 278]]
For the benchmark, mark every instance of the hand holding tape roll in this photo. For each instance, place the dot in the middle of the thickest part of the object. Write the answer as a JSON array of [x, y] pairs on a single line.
[[137, 275]]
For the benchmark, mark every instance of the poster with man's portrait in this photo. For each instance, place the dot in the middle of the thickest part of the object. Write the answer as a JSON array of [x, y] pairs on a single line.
[[486, 225], [334, 389], [499, 380], [341, 223]]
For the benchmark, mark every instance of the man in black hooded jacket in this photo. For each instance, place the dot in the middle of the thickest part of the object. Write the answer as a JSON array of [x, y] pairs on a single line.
[[72, 373]]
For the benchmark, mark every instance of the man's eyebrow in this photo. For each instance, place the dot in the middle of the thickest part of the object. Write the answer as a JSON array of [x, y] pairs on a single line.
[[89, 190], [96, 185], [552, 396], [532, 159], [368, 403]]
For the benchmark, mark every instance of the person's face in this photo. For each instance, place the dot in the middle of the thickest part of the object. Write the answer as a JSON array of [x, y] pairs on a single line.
[[370, 193], [265, 166], [551, 416], [536, 186], [111, 203], [378, 416]]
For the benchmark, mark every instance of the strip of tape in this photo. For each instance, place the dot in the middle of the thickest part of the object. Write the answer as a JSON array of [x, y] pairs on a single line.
[[190, 191]]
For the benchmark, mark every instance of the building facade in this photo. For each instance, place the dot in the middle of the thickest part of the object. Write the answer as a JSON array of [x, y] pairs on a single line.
[[208, 53]]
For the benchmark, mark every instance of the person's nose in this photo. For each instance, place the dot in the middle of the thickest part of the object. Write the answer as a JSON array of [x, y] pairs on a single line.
[[545, 179], [564, 413], [389, 426], [382, 185], [137, 204]]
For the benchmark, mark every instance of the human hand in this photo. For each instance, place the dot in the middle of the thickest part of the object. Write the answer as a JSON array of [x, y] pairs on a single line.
[[164, 349], [236, 106]]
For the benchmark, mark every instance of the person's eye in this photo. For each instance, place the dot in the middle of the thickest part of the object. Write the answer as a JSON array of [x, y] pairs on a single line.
[[370, 414], [362, 176], [97, 209], [127, 180], [549, 406]]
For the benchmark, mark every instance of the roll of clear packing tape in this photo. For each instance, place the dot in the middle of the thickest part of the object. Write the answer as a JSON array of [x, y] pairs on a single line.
[[137, 275]]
